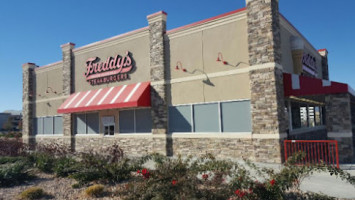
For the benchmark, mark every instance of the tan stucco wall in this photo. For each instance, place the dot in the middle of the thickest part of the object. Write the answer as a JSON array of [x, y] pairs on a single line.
[[198, 48], [139, 47], [286, 32], [52, 77], [230, 87], [46, 104], [47, 108]]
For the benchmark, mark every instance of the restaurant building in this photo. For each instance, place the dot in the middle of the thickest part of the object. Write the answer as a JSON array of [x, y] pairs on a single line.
[[234, 85]]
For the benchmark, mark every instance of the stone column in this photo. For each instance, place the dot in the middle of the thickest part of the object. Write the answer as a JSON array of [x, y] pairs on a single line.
[[339, 125], [325, 71], [157, 31], [28, 96], [67, 50], [269, 122]]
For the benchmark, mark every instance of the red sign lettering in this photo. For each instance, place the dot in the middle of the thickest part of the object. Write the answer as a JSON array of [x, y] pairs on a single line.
[[113, 69]]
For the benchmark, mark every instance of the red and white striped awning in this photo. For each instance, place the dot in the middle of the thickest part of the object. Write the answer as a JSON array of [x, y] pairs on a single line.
[[124, 96]]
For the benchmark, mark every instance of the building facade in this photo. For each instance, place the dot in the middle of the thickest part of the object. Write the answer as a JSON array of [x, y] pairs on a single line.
[[235, 85]]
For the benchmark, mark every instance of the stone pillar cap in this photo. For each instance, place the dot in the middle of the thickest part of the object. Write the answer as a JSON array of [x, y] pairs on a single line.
[[158, 16], [69, 44], [29, 65], [323, 52]]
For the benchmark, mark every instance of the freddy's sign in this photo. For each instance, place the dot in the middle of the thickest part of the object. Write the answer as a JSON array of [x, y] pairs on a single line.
[[113, 69], [309, 64]]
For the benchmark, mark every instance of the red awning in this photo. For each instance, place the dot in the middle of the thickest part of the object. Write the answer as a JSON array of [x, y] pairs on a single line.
[[295, 85], [124, 96]]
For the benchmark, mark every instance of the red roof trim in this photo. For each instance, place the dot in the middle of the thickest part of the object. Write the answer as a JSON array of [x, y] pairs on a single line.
[[157, 13], [205, 20]]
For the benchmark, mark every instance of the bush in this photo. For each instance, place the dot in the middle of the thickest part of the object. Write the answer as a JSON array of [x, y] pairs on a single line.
[[12, 147], [65, 166], [208, 178], [8, 159], [32, 193], [95, 190], [13, 174], [44, 162]]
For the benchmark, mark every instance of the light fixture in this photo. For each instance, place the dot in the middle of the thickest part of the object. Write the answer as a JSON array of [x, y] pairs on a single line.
[[179, 66], [51, 90], [219, 57]]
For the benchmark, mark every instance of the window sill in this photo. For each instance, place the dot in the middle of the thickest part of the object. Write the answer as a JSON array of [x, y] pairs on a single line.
[[307, 129], [49, 135]]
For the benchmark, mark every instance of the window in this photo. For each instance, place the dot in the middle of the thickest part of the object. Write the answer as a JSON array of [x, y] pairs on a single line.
[[236, 116], [206, 118], [48, 125], [306, 115], [109, 125], [180, 119], [87, 123], [233, 116], [135, 121]]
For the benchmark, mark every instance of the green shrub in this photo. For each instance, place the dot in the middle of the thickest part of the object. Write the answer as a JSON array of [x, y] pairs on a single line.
[[8, 159], [32, 193], [208, 178], [95, 190], [44, 162], [65, 166], [15, 173]]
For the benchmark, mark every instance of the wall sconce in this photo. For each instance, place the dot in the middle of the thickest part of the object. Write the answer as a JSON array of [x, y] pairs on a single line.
[[179, 66], [49, 89], [220, 59], [206, 81]]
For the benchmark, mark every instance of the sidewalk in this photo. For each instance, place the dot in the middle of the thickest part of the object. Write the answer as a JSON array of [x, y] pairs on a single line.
[[330, 185]]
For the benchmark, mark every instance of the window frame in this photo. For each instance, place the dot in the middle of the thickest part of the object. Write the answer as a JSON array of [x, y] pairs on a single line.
[[53, 126], [134, 122], [74, 125], [191, 105]]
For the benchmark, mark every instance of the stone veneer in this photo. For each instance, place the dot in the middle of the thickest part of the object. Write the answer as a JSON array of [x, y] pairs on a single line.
[[27, 97], [325, 71], [159, 108], [339, 126], [264, 35], [68, 88], [267, 93]]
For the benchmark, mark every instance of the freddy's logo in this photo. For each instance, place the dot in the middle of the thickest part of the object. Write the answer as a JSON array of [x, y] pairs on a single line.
[[114, 69]]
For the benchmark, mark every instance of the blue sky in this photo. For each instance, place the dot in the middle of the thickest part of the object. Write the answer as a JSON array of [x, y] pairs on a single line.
[[32, 31]]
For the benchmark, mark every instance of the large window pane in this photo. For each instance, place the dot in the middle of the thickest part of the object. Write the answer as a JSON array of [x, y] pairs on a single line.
[[38, 126], [58, 125], [92, 122], [303, 114], [180, 118], [206, 118], [143, 121], [80, 124], [236, 116], [126, 119], [48, 125], [311, 116]]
